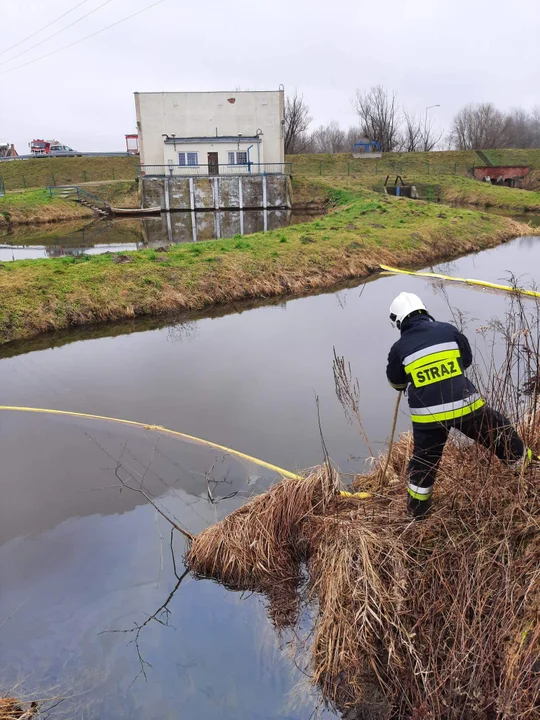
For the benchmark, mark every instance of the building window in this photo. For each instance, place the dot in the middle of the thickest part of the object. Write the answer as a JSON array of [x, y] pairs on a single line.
[[238, 158], [188, 159]]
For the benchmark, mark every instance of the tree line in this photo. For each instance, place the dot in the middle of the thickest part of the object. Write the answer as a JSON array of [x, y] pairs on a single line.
[[476, 126]]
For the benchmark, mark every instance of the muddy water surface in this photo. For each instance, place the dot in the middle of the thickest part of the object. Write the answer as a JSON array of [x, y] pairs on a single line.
[[122, 235], [80, 554]]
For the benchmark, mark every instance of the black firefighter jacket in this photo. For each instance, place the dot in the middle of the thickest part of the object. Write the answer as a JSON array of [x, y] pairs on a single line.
[[429, 361]]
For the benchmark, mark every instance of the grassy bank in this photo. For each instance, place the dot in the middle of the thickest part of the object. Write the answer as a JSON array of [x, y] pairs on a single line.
[[42, 172], [36, 206], [362, 231], [119, 194], [462, 190], [451, 162], [456, 161], [450, 189]]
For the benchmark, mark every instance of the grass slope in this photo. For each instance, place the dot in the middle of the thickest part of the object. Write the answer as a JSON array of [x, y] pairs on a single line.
[[453, 189], [514, 156], [42, 172], [36, 206], [363, 231], [451, 162], [455, 161]]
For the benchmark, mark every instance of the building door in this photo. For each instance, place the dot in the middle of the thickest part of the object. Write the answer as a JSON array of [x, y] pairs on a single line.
[[213, 163]]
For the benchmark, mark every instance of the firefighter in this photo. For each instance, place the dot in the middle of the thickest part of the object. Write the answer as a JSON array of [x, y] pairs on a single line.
[[428, 361]]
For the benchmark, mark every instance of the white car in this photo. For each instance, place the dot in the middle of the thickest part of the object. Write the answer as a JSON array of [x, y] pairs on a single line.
[[65, 150]]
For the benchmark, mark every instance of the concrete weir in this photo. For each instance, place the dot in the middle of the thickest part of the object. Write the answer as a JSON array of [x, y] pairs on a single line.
[[242, 192]]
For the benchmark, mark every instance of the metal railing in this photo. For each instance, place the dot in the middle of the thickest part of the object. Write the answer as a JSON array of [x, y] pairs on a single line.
[[77, 194], [250, 168]]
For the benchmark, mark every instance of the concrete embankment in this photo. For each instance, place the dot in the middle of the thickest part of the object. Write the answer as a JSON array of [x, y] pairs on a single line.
[[238, 192], [363, 230]]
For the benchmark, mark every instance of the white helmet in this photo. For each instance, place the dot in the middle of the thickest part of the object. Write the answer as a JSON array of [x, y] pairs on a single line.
[[405, 304]]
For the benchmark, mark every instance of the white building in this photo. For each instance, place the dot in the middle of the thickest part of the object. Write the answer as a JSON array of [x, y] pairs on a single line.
[[211, 133]]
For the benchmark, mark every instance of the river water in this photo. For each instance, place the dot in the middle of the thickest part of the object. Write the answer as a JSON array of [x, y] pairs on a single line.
[[122, 235], [82, 555]]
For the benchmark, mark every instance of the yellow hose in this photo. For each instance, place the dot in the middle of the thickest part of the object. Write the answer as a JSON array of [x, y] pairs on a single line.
[[175, 433], [469, 281]]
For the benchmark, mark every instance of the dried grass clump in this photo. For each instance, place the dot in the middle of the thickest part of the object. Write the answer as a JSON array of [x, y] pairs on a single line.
[[438, 619], [13, 709], [259, 547]]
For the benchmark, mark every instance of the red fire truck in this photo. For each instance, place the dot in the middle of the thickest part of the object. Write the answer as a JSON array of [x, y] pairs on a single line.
[[41, 148]]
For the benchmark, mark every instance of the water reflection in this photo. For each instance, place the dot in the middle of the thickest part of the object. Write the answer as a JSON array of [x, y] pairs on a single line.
[[194, 226], [122, 235]]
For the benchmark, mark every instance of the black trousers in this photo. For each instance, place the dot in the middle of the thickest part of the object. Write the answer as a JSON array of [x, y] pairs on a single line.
[[485, 426]]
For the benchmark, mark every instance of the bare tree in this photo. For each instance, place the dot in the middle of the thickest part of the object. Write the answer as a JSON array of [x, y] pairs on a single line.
[[379, 116], [417, 134], [329, 138], [297, 120], [480, 126], [353, 135], [333, 139], [524, 128], [535, 119], [411, 136], [431, 137]]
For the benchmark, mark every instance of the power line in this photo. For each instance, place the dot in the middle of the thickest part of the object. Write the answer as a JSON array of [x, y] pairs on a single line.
[[29, 37], [98, 32], [41, 42]]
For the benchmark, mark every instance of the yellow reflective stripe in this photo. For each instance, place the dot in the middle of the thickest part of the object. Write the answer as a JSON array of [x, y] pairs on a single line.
[[418, 496], [433, 358], [397, 387], [449, 414]]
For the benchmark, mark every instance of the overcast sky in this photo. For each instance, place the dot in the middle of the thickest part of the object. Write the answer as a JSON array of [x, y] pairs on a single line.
[[447, 52]]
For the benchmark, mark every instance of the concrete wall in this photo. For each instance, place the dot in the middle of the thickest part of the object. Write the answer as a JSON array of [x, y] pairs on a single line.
[[495, 171], [207, 114], [213, 193]]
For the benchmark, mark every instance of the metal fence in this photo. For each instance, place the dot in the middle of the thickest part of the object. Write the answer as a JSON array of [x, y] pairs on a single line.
[[215, 170], [378, 167]]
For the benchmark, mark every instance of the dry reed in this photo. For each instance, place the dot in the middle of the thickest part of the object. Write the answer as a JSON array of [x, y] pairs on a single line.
[[13, 709], [438, 619]]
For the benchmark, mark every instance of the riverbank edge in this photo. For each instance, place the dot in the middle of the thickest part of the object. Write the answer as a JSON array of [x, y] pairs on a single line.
[[39, 296], [36, 206]]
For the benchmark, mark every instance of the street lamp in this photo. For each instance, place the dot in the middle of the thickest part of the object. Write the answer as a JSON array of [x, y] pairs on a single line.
[[425, 139], [429, 108]]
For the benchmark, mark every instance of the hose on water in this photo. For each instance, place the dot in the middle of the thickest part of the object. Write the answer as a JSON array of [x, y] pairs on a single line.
[[468, 281], [174, 433]]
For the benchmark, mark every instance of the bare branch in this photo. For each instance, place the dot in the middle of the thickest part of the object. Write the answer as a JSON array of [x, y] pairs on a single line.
[[297, 120], [480, 126], [379, 116]]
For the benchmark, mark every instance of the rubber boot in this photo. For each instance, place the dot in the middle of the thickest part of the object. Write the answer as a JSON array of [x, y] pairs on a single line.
[[418, 508]]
